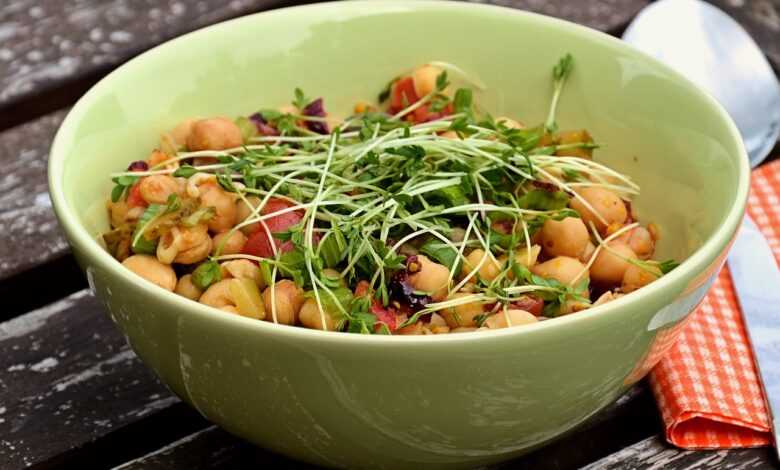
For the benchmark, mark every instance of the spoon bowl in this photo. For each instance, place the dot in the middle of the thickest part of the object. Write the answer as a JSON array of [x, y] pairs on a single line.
[[715, 52]]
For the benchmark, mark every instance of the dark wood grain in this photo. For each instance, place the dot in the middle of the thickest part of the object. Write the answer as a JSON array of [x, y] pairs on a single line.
[[604, 15], [211, 448], [761, 18], [654, 453], [31, 234], [67, 378], [51, 51]]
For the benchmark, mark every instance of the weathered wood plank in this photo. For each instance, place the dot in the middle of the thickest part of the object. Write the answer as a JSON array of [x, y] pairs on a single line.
[[67, 377], [654, 453], [31, 234], [211, 448], [50, 44]]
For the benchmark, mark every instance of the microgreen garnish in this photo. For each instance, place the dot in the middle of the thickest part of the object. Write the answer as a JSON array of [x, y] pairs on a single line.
[[380, 189], [560, 73]]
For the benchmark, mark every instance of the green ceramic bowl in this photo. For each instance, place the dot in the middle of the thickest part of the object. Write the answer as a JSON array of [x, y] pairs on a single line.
[[453, 400]]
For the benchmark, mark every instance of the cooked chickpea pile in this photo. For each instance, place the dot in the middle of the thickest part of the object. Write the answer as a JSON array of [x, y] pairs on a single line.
[[411, 216]]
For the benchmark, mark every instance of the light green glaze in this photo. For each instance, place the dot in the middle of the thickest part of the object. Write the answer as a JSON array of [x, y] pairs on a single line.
[[348, 400]]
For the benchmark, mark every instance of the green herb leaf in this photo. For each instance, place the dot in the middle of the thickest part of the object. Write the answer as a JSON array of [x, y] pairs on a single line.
[[463, 101], [442, 81], [441, 253], [541, 200], [332, 249], [300, 100], [185, 171], [385, 93], [206, 274], [667, 266], [141, 244], [117, 192]]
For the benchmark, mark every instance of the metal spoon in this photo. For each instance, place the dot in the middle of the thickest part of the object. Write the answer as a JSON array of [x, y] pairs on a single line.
[[713, 50]]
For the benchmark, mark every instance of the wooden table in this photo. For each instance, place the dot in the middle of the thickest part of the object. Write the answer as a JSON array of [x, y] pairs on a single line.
[[72, 393]]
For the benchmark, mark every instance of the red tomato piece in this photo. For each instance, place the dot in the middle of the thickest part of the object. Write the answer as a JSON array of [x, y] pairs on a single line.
[[403, 94], [362, 288], [284, 221], [383, 315], [134, 198], [259, 244], [530, 304]]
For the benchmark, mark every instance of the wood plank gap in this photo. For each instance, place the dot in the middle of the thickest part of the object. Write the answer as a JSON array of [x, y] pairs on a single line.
[[39, 286]]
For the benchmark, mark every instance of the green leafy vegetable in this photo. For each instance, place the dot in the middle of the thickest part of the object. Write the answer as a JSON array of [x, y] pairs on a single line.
[[206, 274]]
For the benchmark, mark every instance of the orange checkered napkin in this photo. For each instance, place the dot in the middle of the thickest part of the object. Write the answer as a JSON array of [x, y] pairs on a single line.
[[707, 386]]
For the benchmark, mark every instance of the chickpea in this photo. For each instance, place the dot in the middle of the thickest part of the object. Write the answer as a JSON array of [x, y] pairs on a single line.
[[605, 202], [575, 137], [288, 299], [186, 288], [610, 264], [437, 320], [431, 277], [157, 157], [636, 277], [509, 122], [149, 268], [182, 131], [243, 211], [311, 317], [424, 78], [155, 189], [185, 245], [489, 270], [606, 297], [218, 295], [462, 315], [642, 243], [512, 317], [120, 213], [238, 296], [450, 135], [464, 329], [567, 237], [242, 269], [563, 269], [230, 243], [224, 204], [230, 309], [414, 329], [590, 248], [214, 134]]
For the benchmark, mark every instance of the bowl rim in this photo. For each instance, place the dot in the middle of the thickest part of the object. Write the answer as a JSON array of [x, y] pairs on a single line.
[[699, 260]]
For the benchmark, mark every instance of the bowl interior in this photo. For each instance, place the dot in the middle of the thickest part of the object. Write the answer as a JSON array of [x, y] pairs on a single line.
[[653, 125]]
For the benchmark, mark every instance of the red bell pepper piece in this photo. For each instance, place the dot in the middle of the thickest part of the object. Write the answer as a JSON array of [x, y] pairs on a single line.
[[134, 198]]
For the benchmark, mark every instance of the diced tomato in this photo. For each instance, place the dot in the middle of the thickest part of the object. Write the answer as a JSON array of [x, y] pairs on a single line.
[[383, 315], [281, 222], [258, 244], [403, 95], [421, 114], [530, 304], [134, 198], [362, 288]]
